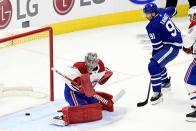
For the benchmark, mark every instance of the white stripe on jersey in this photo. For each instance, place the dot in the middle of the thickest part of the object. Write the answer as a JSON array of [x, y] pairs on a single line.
[[157, 43], [156, 75], [164, 78], [174, 43], [156, 84], [73, 88], [164, 73], [156, 78], [166, 55], [174, 12], [158, 47]]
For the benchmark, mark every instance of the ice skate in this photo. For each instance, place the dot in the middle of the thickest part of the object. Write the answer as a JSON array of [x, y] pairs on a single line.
[[156, 98], [58, 120], [191, 117]]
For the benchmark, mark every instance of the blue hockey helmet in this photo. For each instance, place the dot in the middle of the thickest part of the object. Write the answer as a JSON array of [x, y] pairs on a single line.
[[150, 7]]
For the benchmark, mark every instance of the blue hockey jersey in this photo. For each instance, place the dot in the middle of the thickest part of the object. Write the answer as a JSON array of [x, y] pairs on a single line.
[[161, 29]]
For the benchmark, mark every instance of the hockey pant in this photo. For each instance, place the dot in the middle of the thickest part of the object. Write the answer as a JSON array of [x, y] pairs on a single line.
[[75, 98], [157, 64]]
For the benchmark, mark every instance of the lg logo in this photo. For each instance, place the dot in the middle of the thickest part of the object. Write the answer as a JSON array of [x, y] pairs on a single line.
[[5, 13], [141, 1], [63, 7], [24, 9], [31, 9]]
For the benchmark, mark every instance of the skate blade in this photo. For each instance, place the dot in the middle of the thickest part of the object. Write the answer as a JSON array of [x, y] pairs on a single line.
[[157, 101], [189, 119], [58, 122]]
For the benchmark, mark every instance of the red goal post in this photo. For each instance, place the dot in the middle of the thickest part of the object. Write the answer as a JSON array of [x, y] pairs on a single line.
[[33, 32]]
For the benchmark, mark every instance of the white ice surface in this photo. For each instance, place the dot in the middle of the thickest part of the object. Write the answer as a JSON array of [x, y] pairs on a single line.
[[123, 53]]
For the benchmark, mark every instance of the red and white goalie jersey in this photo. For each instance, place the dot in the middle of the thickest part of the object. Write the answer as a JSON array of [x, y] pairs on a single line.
[[190, 39], [99, 75]]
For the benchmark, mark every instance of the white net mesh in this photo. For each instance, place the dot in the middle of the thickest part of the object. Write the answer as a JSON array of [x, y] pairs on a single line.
[[7, 33], [24, 67]]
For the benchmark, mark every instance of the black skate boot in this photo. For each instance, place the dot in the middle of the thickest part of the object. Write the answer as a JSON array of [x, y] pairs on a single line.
[[156, 98], [58, 120], [193, 107], [191, 117], [167, 84]]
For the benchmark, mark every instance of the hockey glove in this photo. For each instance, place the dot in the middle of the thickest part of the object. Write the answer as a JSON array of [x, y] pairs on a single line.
[[105, 78], [188, 50]]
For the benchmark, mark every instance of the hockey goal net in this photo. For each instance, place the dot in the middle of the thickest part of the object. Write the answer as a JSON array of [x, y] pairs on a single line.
[[26, 60]]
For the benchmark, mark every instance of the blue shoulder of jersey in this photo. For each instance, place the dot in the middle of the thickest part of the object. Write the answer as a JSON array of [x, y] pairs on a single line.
[[171, 11], [154, 24]]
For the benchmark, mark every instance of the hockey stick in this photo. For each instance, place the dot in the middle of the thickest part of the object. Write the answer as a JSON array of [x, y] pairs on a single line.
[[118, 96], [103, 100], [146, 101]]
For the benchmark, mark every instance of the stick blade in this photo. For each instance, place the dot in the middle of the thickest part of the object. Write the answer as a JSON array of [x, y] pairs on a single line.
[[140, 104], [118, 96]]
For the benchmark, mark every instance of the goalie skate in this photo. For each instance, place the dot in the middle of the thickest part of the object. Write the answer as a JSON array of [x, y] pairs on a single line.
[[58, 120]]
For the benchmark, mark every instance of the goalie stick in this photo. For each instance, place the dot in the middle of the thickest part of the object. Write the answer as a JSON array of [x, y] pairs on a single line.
[[103, 100], [146, 101]]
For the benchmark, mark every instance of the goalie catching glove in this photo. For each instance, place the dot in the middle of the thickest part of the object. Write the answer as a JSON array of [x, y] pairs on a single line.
[[106, 76]]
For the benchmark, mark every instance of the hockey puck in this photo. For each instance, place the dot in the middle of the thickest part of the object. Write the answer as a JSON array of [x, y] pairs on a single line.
[[27, 114]]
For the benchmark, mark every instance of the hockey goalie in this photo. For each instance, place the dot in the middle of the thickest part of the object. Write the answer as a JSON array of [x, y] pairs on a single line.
[[80, 94]]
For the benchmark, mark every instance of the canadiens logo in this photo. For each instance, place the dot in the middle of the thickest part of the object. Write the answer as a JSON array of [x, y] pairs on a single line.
[[5, 13], [62, 7]]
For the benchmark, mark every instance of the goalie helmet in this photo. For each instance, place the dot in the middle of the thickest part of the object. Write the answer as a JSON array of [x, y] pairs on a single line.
[[192, 12], [91, 57]]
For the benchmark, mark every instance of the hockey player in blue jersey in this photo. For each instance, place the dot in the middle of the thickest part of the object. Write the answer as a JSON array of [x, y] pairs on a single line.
[[166, 42]]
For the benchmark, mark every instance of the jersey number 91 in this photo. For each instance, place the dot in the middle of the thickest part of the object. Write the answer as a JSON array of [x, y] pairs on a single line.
[[172, 28]]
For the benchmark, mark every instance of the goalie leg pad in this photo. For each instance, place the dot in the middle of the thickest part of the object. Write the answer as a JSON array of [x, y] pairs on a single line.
[[82, 113], [105, 95], [109, 107]]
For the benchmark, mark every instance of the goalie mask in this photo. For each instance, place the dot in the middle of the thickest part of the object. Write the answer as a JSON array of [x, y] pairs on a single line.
[[91, 61]]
